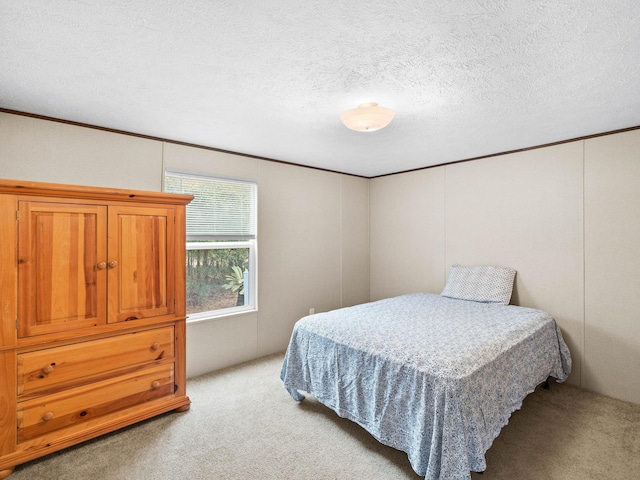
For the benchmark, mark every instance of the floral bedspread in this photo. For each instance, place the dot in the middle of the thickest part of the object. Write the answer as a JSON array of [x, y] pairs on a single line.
[[434, 377]]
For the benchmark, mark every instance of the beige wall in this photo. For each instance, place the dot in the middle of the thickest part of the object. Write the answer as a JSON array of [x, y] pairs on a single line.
[[565, 217], [299, 266], [355, 240], [524, 211], [313, 225], [407, 233], [612, 265], [43, 151]]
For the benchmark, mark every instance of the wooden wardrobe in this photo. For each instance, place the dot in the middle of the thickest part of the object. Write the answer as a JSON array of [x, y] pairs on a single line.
[[92, 313]]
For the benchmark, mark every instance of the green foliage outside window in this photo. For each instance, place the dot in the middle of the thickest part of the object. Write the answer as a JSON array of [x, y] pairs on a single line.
[[207, 272]]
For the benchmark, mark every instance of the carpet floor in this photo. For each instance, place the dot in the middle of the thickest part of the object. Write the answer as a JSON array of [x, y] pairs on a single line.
[[243, 425]]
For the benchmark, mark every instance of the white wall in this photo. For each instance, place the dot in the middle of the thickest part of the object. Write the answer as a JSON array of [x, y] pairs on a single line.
[[565, 217], [313, 225]]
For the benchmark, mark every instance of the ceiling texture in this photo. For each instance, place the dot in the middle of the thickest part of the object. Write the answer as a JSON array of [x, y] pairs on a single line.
[[467, 78]]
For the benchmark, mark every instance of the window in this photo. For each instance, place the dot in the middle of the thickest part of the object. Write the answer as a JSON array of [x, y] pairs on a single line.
[[221, 243]]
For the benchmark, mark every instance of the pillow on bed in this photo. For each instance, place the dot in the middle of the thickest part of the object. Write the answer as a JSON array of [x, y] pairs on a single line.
[[480, 283]]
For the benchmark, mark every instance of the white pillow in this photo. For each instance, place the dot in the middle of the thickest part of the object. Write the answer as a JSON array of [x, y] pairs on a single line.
[[480, 284]]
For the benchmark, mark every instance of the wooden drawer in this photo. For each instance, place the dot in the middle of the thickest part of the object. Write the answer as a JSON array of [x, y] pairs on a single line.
[[43, 415], [46, 371]]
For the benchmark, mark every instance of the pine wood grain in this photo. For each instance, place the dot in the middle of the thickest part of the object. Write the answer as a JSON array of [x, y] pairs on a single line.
[[42, 371], [141, 242], [60, 247], [53, 412], [87, 346], [8, 316]]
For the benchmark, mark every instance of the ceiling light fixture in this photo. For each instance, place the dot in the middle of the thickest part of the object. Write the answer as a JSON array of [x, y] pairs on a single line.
[[368, 117]]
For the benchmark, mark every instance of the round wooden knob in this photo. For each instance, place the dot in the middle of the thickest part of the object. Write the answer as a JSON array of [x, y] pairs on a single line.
[[155, 346], [47, 369], [113, 264], [47, 416], [155, 385], [102, 265]]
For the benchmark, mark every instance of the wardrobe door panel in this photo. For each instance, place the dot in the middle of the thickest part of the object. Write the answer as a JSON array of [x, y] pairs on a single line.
[[141, 264], [61, 267]]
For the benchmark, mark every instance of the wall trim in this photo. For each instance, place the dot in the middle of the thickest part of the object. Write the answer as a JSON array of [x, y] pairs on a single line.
[[213, 149], [525, 149], [166, 140]]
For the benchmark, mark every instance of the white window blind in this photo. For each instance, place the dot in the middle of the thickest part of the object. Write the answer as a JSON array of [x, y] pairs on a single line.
[[221, 209]]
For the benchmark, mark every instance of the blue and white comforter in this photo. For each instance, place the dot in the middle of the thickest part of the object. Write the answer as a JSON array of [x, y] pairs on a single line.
[[432, 376]]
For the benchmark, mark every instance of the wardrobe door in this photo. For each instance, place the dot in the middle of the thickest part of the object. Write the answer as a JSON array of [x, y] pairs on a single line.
[[141, 263], [62, 269]]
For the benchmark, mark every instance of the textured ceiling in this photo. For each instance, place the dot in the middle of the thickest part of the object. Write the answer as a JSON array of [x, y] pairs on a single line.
[[270, 78]]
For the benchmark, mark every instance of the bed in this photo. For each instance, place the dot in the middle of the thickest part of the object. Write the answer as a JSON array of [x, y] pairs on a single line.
[[434, 375]]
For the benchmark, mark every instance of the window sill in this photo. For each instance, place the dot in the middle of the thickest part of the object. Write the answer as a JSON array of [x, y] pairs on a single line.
[[212, 316]]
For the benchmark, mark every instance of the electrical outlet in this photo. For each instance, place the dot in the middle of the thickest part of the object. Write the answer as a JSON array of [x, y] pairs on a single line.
[[312, 311]]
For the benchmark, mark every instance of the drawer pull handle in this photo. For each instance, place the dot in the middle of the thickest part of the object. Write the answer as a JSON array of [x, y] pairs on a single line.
[[155, 385], [113, 264], [102, 265], [48, 369], [47, 416], [155, 346]]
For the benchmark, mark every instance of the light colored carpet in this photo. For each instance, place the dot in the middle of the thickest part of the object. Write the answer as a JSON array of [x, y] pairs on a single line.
[[244, 425]]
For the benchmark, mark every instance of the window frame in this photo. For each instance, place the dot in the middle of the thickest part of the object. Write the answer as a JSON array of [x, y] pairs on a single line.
[[226, 242]]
